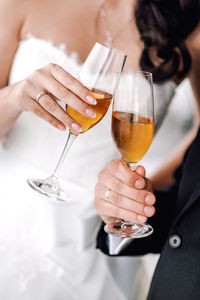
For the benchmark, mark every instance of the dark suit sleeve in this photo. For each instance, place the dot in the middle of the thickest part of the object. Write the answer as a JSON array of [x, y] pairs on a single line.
[[161, 223]]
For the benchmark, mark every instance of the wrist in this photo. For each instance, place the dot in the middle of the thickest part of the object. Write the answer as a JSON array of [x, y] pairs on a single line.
[[13, 98]]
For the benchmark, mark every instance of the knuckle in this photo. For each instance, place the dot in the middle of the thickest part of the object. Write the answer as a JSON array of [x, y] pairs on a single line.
[[96, 203], [36, 74], [139, 208], [138, 219], [116, 185], [100, 174], [132, 217], [62, 92], [26, 83], [100, 205], [114, 164], [38, 112], [70, 81], [81, 91], [131, 178], [115, 198], [97, 188], [115, 211], [53, 122], [140, 196], [49, 105], [52, 67], [105, 219]]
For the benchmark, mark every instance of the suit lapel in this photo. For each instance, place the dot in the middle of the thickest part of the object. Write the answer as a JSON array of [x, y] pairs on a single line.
[[195, 195], [189, 188]]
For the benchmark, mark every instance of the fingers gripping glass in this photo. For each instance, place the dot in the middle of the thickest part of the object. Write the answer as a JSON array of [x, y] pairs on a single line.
[[100, 73], [132, 131]]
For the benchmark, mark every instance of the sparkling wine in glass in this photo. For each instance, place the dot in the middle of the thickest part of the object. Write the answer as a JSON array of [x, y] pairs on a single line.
[[100, 73], [103, 102], [132, 132]]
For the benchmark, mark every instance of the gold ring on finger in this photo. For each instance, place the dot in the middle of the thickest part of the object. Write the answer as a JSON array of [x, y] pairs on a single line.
[[107, 195], [39, 95]]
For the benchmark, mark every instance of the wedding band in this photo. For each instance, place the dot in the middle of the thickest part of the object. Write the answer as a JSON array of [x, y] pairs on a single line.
[[39, 95], [107, 195]]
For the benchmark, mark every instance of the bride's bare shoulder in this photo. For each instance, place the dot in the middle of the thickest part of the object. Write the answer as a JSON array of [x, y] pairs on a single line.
[[13, 13], [15, 8], [12, 16], [14, 4], [12, 8]]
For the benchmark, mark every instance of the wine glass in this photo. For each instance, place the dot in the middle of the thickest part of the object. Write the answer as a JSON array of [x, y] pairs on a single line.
[[100, 73], [163, 95], [132, 132]]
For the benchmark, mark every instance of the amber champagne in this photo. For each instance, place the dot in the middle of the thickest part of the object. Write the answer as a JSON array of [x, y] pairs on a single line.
[[103, 102], [132, 134]]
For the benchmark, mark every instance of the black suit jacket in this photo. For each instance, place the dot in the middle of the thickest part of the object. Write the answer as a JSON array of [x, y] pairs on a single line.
[[176, 234]]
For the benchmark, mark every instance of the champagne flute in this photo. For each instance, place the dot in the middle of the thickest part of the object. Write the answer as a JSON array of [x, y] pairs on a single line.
[[100, 73], [132, 131]]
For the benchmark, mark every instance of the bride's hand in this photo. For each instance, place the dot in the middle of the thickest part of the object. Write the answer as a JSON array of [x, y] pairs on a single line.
[[130, 195], [53, 82]]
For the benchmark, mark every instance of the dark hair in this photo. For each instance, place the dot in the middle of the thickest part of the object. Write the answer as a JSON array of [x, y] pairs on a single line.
[[163, 26]]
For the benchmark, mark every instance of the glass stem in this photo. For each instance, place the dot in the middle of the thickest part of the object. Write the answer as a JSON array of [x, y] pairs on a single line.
[[69, 142], [132, 165]]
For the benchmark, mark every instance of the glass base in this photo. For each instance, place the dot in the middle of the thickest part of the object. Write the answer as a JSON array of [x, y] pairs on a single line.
[[50, 188], [128, 229]]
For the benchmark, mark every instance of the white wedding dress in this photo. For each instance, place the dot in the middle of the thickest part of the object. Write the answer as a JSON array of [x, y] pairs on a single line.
[[47, 249]]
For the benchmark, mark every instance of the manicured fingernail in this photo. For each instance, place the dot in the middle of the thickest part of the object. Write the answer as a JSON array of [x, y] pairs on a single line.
[[149, 200], [61, 127], [141, 219], [90, 99], [139, 184], [76, 127], [148, 210], [90, 113]]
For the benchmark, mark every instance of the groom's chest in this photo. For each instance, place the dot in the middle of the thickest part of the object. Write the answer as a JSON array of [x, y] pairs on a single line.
[[190, 178]]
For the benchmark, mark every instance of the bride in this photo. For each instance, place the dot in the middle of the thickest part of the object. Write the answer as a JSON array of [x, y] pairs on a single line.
[[47, 249]]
